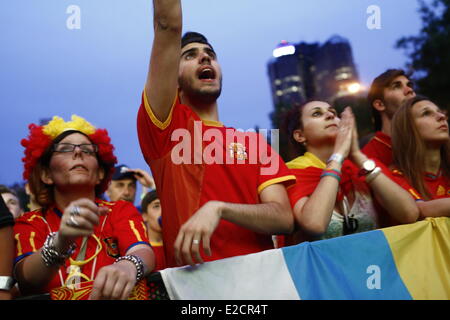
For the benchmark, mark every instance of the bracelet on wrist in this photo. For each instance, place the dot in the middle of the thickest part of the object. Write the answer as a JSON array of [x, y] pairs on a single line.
[[51, 256], [138, 263], [6, 283], [332, 173], [372, 175], [339, 158]]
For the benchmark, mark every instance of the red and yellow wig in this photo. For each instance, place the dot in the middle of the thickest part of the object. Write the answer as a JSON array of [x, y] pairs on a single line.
[[38, 148]]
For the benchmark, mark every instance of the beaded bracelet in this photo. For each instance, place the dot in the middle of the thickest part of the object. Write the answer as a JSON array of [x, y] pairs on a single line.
[[138, 263], [332, 173], [51, 256]]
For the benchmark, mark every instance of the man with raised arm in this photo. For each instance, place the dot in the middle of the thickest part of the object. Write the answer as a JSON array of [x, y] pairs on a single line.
[[222, 191]]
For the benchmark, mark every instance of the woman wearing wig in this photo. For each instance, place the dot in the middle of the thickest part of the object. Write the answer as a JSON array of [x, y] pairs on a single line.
[[332, 197], [75, 236], [421, 150]]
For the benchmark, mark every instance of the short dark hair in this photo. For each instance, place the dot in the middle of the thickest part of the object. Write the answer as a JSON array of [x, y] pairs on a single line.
[[5, 189], [148, 198], [377, 88], [190, 37], [293, 121]]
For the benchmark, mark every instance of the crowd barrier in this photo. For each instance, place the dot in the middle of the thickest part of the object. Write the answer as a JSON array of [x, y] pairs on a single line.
[[399, 263]]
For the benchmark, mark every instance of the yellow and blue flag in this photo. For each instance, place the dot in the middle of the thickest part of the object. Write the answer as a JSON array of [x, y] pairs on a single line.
[[399, 263]]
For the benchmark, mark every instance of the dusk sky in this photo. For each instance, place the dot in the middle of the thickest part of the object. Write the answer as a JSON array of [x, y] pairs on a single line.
[[98, 71]]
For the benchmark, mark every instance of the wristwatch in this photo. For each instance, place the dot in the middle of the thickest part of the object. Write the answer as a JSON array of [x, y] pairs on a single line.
[[367, 167], [6, 283]]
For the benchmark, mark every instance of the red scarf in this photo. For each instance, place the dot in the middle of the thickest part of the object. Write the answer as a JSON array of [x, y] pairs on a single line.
[[308, 169]]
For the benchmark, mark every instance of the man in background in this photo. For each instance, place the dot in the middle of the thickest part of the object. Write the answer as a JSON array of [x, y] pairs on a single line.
[[387, 93], [151, 213], [124, 183], [11, 200]]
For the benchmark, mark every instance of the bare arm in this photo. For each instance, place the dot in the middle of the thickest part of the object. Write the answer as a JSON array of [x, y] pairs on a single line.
[[396, 200], [313, 214], [31, 272], [272, 216], [434, 208], [162, 79], [6, 257], [116, 281]]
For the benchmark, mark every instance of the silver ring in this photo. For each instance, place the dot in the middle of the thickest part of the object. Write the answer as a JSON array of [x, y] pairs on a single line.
[[195, 241], [72, 222], [75, 211]]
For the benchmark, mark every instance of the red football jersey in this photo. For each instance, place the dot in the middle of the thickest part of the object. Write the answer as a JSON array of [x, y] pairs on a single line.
[[195, 161], [438, 185], [118, 231], [379, 147], [158, 250]]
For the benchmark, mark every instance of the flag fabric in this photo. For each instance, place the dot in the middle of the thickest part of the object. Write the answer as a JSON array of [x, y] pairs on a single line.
[[399, 263]]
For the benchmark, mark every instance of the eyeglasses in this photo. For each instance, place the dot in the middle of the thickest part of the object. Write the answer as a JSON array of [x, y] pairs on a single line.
[[86, 148]]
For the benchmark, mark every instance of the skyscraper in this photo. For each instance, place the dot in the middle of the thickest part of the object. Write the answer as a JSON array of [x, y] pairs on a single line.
[[303, 71]]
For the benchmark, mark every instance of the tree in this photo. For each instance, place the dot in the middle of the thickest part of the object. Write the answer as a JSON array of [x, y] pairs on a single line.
[[429, 51]]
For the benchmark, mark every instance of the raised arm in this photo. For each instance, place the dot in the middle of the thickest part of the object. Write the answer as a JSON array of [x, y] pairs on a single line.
[[313, 213], [162, 79], [396, 200]]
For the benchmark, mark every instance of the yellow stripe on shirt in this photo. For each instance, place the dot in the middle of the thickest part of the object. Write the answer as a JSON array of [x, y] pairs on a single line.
[[270, 182], [155, 120], [136, 233], [34, 216], [33, 246], [19, 246]]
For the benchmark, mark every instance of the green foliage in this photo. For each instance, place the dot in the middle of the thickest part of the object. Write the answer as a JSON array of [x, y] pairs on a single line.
[[429, 52]]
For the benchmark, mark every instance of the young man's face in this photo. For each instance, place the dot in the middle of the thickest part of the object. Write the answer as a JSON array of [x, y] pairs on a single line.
[[200, 76], [152, 215], [13, 204], [398, 91], [124, 189]]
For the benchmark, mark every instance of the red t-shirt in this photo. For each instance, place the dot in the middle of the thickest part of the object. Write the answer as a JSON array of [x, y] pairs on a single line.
[[118, 231], [308, 170], [158, 250], [379, 147], [218, 168], [438, 185]]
